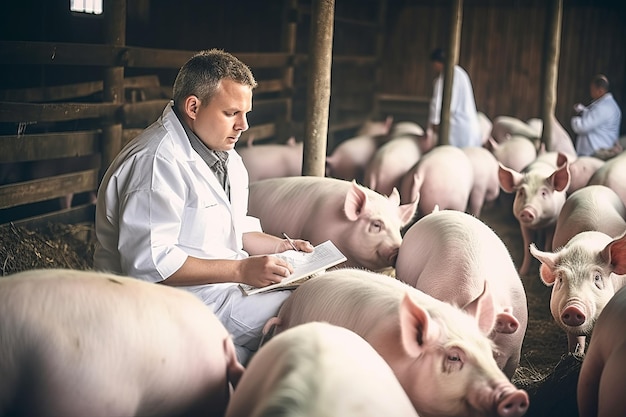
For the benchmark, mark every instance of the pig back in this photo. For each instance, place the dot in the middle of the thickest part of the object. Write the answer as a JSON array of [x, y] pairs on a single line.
[[592, 208]]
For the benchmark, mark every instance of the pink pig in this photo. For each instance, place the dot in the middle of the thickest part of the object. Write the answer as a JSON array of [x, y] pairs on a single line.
[[272, 160], [540, 192], [439, 353], [390, 162], [78, 343], [318, 369], [584, 275], [506, 126], [486, 187], [362, 223], [612, 174], [443, 177], [450, 255], [516, 153], [601, 382], [581, 171], [594, 207], [560, 141]]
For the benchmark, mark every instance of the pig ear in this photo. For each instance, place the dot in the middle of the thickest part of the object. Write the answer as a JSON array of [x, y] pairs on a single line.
[[548, 262], [509, 178], [356, 200], [406, 211], [291, 141], [561, 158], [416, 327], [560, 178], [615, 254], [493, 143], [483, 309], [388, 124]]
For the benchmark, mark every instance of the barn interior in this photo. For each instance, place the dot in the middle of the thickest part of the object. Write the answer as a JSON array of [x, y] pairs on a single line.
[[77, 86]]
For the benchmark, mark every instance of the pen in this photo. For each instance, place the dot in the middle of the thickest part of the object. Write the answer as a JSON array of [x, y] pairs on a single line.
[[290, 240]]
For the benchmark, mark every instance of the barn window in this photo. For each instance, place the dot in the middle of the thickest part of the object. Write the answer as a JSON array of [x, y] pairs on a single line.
[[86, 6]]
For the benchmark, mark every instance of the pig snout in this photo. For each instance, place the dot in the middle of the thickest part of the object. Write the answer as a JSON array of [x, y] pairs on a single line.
[[391, 255], [527, 215], [573, 316], [514, 404]]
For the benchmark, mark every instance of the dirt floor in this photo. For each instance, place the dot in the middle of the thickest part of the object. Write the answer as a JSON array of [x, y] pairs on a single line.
[[551, 387]]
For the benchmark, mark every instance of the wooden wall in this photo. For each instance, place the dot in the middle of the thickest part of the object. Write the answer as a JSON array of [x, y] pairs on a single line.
[[501, 48], [55, 94]]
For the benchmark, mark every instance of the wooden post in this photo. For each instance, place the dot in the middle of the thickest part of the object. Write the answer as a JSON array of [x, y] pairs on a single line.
[[113, 79], [290, 23], [451, 59], [318, 88], [552, 52]]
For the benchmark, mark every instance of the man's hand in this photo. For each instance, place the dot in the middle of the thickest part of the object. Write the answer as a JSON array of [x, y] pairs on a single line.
[[263, 270]]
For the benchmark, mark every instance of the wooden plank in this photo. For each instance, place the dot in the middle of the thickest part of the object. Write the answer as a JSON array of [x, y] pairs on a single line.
[[142, 113], [64, 53], [72, 91], [12, 195], [55, 112], [49, 146], [269, 86], [258, 132], [84, 213]]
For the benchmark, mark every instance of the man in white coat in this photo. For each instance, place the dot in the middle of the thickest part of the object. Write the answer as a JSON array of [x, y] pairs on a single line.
[[172, 206], [464, 124], [598, 124]]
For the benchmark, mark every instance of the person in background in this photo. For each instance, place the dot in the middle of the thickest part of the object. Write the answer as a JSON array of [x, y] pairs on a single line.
[[172, 206], [464, 124], [597, 125]]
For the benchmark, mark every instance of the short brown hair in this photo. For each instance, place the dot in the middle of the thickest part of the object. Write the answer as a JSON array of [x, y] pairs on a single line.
[[201, 75]]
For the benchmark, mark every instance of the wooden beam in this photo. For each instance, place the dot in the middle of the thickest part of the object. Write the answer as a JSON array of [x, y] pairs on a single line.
[[54, 112], [552, 51], [49, 146], [20, 193]]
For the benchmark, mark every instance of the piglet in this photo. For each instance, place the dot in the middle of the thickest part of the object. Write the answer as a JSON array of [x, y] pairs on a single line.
[[516, 153], [363, 224], [451, 256], [78, 343], [507, 126], [594, 207], [581, 171], [540, 192], [486, 186], [318, 369], [440, 354], [272, 160], [612, 174], [584, 274], [443, 177], [601, 382]]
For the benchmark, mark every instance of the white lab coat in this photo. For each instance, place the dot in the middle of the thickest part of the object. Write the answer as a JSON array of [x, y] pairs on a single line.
[[597, 126], [464, 124], [159, 202]]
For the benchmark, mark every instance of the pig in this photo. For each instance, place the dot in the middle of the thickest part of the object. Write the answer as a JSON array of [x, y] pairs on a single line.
[[390, 162], [439, 353], [594, 207], [486, 187], [375, 128], [349, 159], [584, 274], [363, 224], [272, 160], [450, 255], [581, 171], [540, 192], [406, 128], [318, 369], [516, 153], [83, 343], [612, 174], [507, 126], [560, 141], [601, 382], [443, 177]]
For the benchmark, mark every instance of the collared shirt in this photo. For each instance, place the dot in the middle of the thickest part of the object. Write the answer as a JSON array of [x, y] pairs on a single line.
[[216, 160], [597, 126]]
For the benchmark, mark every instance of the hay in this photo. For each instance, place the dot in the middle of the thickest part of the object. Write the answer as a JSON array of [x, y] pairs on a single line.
[[53, 246]]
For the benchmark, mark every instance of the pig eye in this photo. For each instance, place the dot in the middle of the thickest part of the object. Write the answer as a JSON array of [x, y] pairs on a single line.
[[598, 281], [454, 361], [544, 193], [376, 227]]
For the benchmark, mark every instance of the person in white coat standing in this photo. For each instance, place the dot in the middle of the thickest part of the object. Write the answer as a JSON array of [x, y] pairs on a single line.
[[172, 206], [464, 124], [597, 125]]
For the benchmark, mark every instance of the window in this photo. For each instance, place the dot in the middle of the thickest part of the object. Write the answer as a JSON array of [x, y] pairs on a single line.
[[86, 6]]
